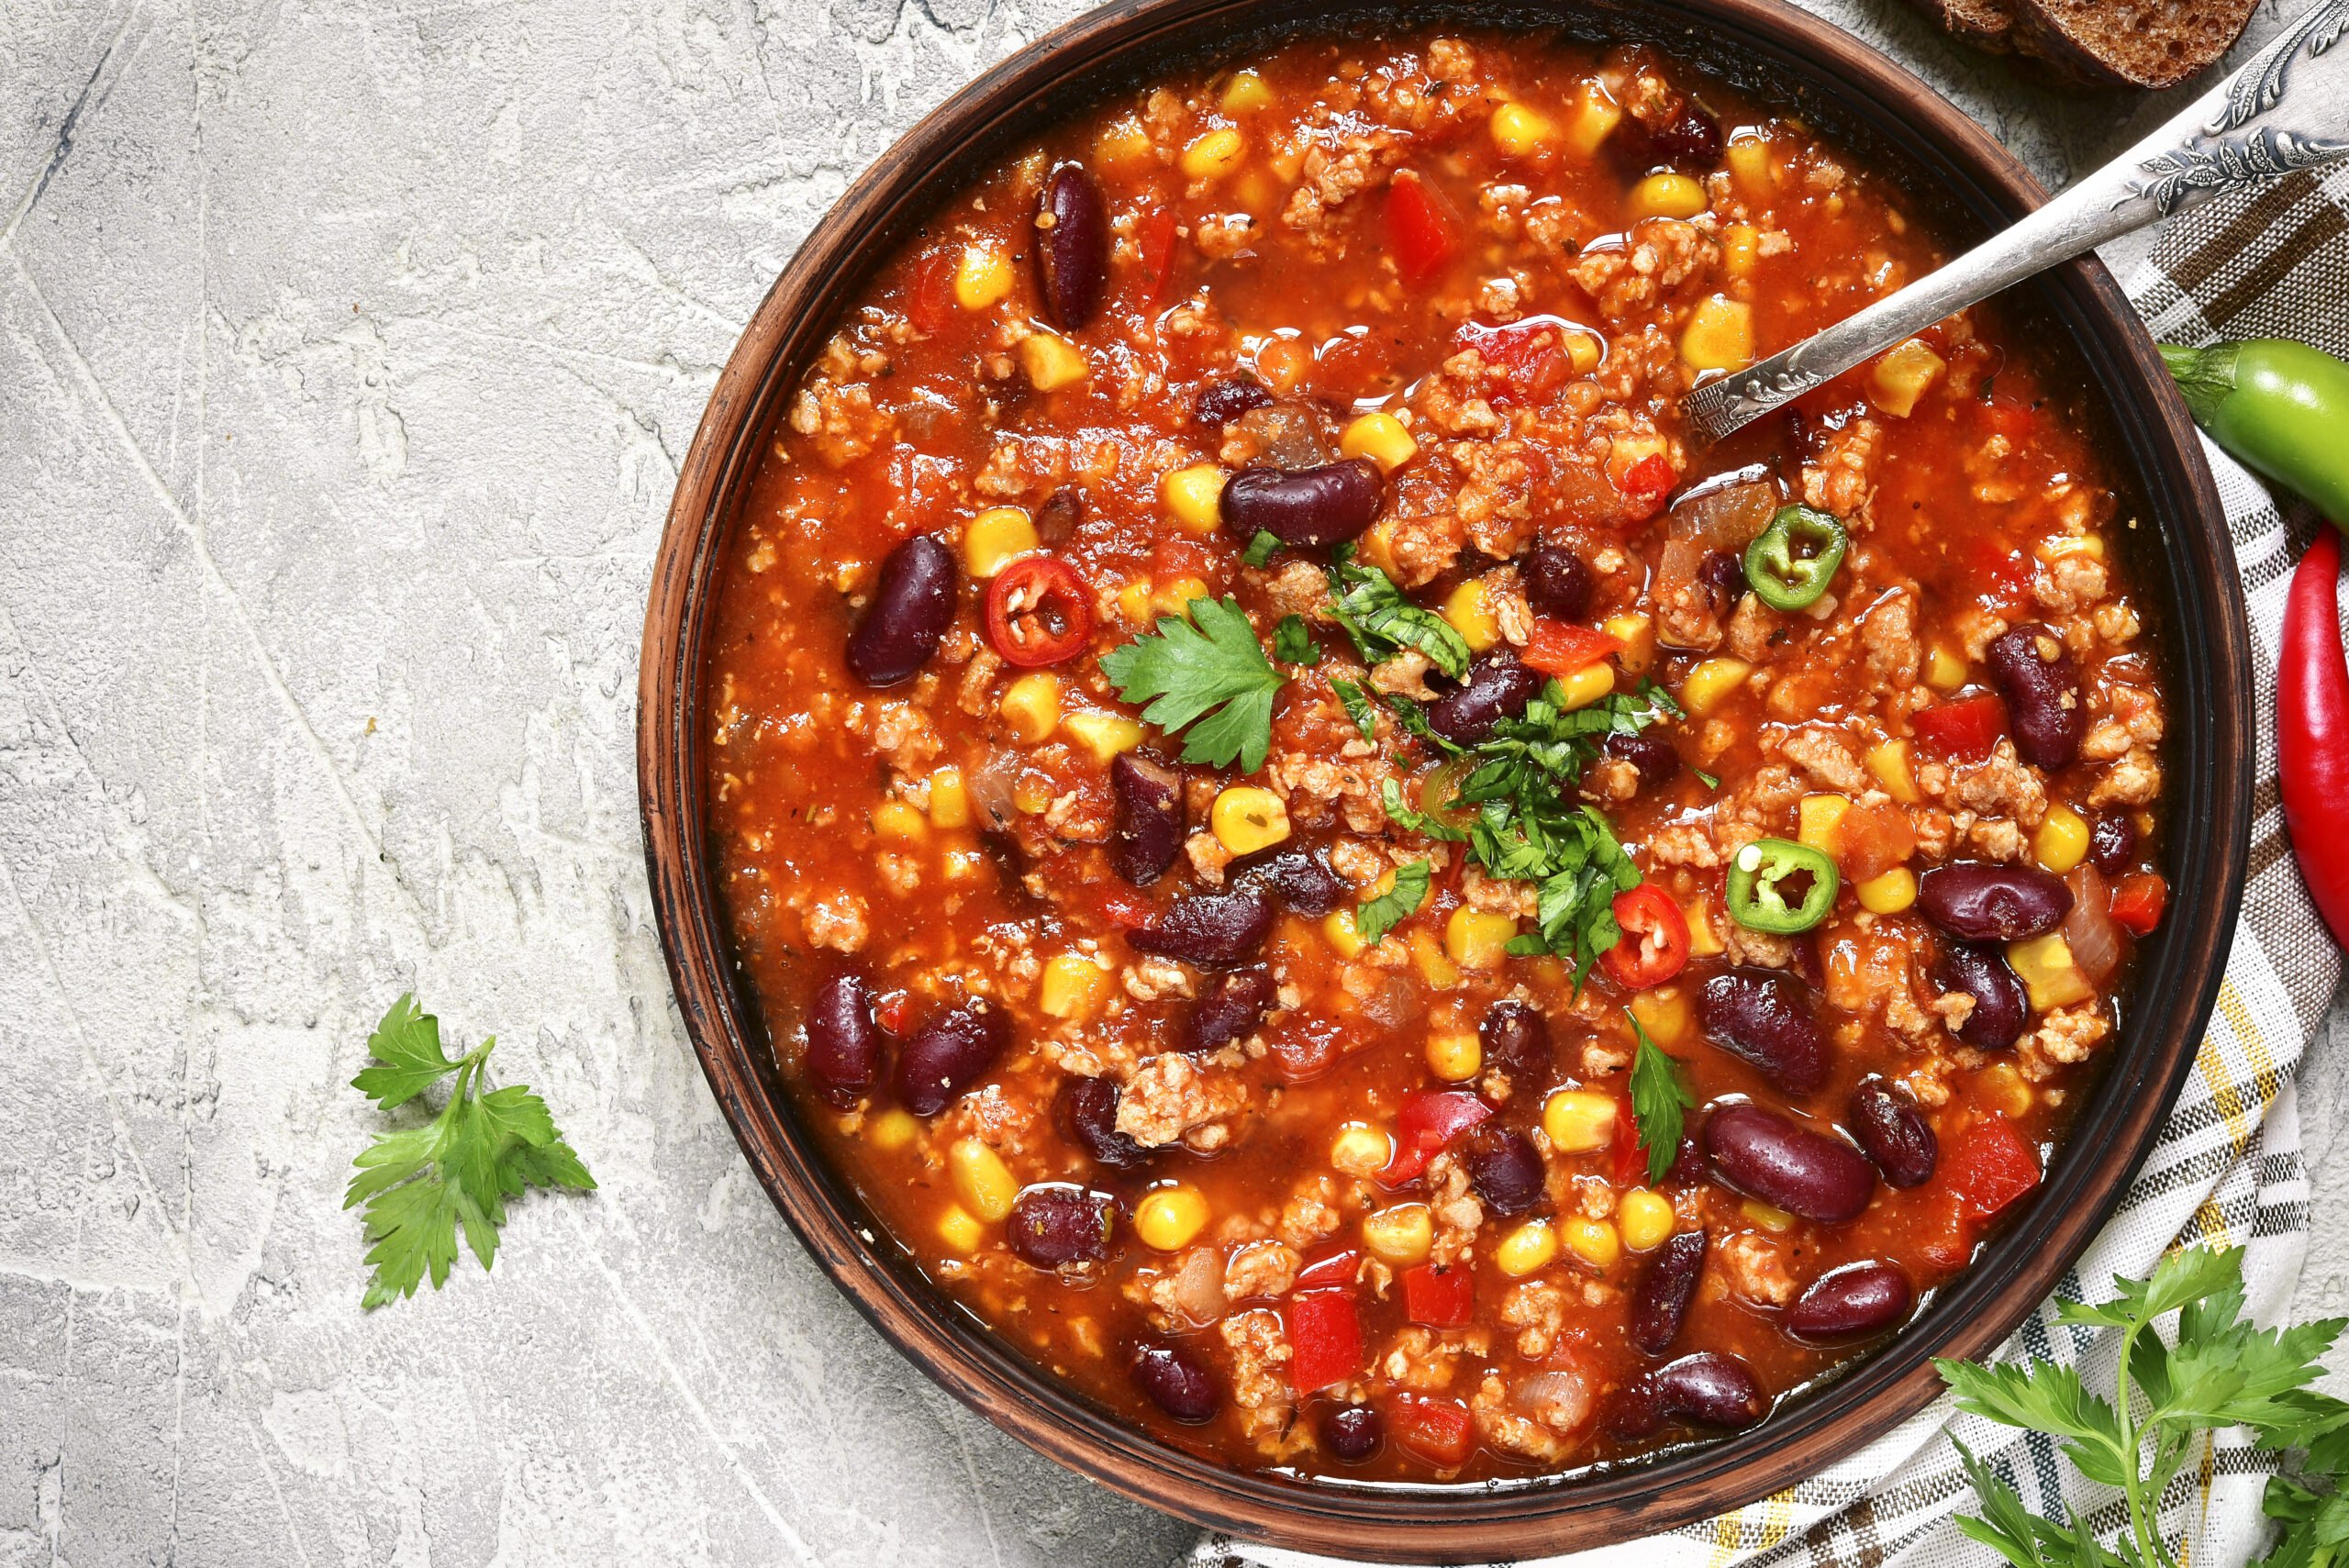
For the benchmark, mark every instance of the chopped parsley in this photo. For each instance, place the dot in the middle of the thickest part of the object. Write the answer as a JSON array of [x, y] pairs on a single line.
[[1658, 1098], [1209, 673], [1382, 622], [1358, 707], [1293, 643], [1374, 918], [1260, 549]]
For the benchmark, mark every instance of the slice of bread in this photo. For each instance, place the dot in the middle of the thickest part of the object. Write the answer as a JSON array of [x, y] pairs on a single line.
[[1983, 23], [2101, 43]]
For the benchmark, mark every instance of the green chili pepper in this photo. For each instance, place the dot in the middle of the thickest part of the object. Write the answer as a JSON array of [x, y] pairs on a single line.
[[1791, 561], [1756, 872], [2280, 408]]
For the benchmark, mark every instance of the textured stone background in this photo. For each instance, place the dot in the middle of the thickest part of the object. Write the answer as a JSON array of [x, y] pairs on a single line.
[[347, 354]]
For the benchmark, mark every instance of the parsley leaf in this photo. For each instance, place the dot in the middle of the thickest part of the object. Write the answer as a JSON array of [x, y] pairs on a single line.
[[1261, 549], [1658, 1098], [1358, 707], [1293, 644], [423, 1184], [1381, 622], [1184, 669], [1374, 918]]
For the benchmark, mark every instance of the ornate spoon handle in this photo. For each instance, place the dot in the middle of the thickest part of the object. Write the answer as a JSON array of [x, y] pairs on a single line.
[[2288, 109]]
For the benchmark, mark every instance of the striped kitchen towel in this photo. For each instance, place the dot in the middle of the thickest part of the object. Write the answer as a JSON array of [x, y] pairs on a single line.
[[2272, 261]]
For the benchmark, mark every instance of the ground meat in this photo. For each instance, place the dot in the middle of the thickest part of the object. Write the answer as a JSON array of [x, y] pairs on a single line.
[[1685, 616], [1003, 1122], [1827, 756], [1208, 857], [1426, 1362], [1312, 1212], [1333, 176], [1260, 1351], [903, 734], [1761, 805], [841, 420], [1770, 950], [1754, 1267], [1261, 1269], [1754, 628], [1683, 844], [1610, 778], [837, 922], [1998, 785], [1170, 1098], [1149, 979], [2065, 1037], [1845, 476], [1499, 1425], [1497, 896], [1224, 236], [2070, 582], [1537, 1309], [1448, 59], [1889, 633], [1300, 588], [1623, 279], [1457, 1212], [2135, 780], [1404, 675]]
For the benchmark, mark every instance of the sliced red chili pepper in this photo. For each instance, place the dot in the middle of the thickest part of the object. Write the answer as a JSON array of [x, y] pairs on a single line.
[[2138, 900], [1039, 612], [1991, 1166], [1422, 229], [1655, 944], [1560, 648], [1966, 729], [1331, 1271], [1440, 1298], [1425, 1123], [1325, 1332], [1436, 1429], [2312, 734]]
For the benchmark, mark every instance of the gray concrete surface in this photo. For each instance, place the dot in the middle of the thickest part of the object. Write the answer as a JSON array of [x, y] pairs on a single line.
[[347, 353]]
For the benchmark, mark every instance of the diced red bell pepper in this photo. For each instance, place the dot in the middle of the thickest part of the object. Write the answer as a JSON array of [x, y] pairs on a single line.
[[1648, 481], [1631, 1164], [1966, 729], [1560, 648], [2138, 900], [1123, 908], [1991, 1167], [1529, 356], [1331, 1271], [1422, 229], [930, 303], [2012, 417], [1440, 1298], [1425, 1124], [1944, 1236], [1154, 238], [1325, 1333], [1438, 1430]]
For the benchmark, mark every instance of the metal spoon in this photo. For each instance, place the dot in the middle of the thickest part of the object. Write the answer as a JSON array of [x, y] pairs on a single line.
[[2288, 109]]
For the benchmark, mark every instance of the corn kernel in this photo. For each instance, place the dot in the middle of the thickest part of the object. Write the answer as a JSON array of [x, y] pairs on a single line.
[[1777, 1221], [1245, 820], [1711, 683], [1121, 141], [1175, 598], [1720, 336], [1664, 1013], [1888, 894], [1741, 249], [959, 1231], [1902, 375], [1815, 819], [1244, 93], [1338, 928], [1578, 1120], [1401, 1235], [1595, 119], [1051, 361], [2000, 1087], [1033, 704], [1647, 1219], [950, 798], [981, 277], [1586, 685], [1704, 941], [1585, 348], [2062, 841], [1283, 362], [996, 537], [1435, 965], [1466, 609], [1520, 132], [1378, 546], [1637, 634], [1133, 600], [1944, 671], [1667, 196], [892, 1129], [1032, 794], [1382, 437], [1888, 760], [1194, 496], [1748, 165], [1167, 1218], [980, 1179], [1626, 452], [2071, 544], [1595, 1241], [2048, 972], [1361, 1149], [1072, 986], [1527, 1250], [895, 820], [1454, 1056], [1477, 938], [1213, 155], [1104, 735]]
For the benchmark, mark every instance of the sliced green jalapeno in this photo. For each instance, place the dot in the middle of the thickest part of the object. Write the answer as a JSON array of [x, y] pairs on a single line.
[[1790, 562], [1757, 900]]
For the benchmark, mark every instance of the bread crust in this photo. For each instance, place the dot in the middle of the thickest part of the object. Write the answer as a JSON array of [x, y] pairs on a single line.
[[2144, 44]]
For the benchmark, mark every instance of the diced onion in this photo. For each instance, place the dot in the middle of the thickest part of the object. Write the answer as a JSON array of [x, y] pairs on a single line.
[[1199, 1285], [2098, 944], [1559, 1400]]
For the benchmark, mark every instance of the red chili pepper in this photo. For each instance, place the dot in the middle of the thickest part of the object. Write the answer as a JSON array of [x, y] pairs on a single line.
[[1325, 1331], [1425, 1125], [1039, 612], [1966, 729], [1655, 944], [1421, 227], [2313, 731], [1560, 648], [1438, 1298], [1991, 1167]]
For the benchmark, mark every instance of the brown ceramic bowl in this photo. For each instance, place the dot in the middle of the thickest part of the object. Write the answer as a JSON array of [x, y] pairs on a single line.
[[1890, 120]]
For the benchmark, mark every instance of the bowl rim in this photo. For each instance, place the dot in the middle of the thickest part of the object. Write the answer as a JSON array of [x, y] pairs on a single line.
[[2209, 676]]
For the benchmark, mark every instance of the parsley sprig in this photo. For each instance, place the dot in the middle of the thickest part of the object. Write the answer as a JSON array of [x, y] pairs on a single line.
[[421, 1186], [1381, 622], [2222, 1370], [1659, 1098], [1211, 676], [1374, 918]]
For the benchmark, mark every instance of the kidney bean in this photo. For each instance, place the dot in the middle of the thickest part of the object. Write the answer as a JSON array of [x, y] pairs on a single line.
[[1504, 1168], [1710, 1389], [1088, 1109], [1515, 1039], [1072, 246], [1053, 1224], [1558, 582], [2112, 843], [1499, 686], [1224, 401], [1660, 1302], [949, 1054], [1176, 1382], [1856, 1302], [1983, 902], [1057, 519], [1303, 507], [1652, 755], [1146, 818], [1212, 928], [843, 1055], [1352, 1433], [1894, 1133], [1764, 1155], [1689, 140], [1765, 1018], [913, 602], [1229, 1007], [1722, 572], [2043, 706], [1301, 878], [2001, 1005]]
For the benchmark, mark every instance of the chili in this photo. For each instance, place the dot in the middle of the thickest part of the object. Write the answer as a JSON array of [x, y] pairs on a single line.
[[1655, 944], [2313, 728], [1756, 878], [2281, 407], [1789, 563], [1039, 612]]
